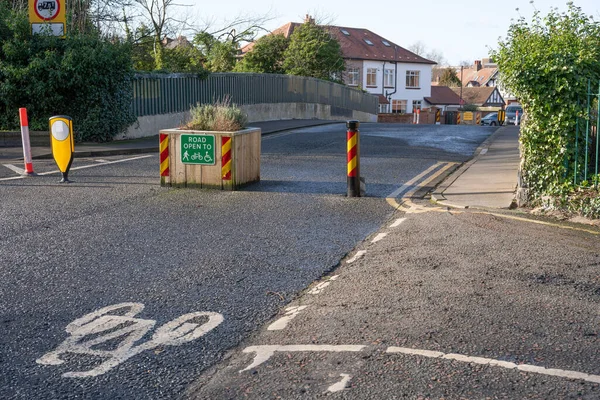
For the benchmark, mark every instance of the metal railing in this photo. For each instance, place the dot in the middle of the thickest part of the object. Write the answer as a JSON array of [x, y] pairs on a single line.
[[584, 164], [170, 93]]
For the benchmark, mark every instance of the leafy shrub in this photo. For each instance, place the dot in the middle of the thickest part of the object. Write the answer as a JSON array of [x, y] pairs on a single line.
[[83, 76], [547, 63], [221, 116]]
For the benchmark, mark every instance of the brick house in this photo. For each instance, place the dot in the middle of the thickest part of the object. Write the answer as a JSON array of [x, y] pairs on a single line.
[[399, 78]]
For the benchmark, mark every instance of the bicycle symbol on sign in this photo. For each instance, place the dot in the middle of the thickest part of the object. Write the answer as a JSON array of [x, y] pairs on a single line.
[[104, 326], [196, 156]]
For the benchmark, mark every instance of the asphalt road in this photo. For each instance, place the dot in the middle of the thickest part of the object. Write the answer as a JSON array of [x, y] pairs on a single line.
[[113, 287], [435, 305]]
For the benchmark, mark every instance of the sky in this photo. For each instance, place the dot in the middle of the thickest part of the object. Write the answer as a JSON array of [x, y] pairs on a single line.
[[462, 30]]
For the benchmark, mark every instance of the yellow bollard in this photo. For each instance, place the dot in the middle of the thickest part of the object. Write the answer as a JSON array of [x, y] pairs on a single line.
[[62, 143]]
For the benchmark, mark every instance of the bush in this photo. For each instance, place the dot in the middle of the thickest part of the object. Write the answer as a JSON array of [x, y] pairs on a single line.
[[82, 76], [221, 116]]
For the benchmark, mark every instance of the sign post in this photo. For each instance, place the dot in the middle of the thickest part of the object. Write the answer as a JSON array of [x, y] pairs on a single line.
[[47, 17], [63, 143], [198, 149]]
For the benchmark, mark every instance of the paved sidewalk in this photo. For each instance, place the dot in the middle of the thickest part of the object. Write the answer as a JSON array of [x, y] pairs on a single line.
[[487, 181]]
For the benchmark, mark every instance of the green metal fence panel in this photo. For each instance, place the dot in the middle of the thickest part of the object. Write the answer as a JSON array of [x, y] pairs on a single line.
[[170, 93], [582, 158]]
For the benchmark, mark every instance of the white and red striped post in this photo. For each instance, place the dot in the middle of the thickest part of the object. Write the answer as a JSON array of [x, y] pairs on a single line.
[[25, 140], [517, 118], [418, 115]]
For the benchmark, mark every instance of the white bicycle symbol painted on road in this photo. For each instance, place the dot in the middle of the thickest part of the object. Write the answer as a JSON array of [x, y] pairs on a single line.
[[111, 323]]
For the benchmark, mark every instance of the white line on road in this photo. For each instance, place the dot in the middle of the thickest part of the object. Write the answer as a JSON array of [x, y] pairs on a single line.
[[397, 222], [319, 288], [411, 182], [82, 167], [497, 363], [290, 314], [379, 237], [14, 168], [359, 254], [341, 385], [263, 353]]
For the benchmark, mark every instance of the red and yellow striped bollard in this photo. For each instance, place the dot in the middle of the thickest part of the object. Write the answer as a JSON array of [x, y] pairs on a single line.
[[458, 118], [478, 118], [353, 158], [226, 158], [164, 158]]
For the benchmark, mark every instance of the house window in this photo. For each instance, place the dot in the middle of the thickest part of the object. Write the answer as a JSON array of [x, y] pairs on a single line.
[[388, 78], [371, 77], [399, 106], [367, 41], [416, 105], [353, 76], [386, 43], [412, 79]]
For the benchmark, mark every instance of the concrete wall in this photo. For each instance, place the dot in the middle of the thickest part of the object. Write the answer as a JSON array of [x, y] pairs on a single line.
[[150, 125]]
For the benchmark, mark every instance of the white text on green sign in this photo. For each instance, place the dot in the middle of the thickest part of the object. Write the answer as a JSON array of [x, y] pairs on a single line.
[[198, 149]]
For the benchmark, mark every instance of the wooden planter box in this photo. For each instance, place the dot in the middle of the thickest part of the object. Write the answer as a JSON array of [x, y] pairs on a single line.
[[199, 159]]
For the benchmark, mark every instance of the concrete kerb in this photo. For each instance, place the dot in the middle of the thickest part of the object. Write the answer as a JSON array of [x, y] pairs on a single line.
[[438, 194]]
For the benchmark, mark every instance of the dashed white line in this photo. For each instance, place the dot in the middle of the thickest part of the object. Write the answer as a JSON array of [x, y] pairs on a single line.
[[263, 353], [379, 237], [281, 323], [319, 288], [341, 385], [397, 222], [498, 363], [359, 254]]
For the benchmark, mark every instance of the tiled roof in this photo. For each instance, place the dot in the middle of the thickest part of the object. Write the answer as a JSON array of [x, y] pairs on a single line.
[[481, 77], [475, 95], [359, 44], [443, 95]]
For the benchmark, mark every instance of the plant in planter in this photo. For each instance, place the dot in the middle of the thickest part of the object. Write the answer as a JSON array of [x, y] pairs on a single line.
[[221, 116], [213, 149]]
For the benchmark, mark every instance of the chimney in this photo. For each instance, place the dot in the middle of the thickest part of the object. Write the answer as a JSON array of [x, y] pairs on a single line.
[[477, 65], [309, 19]]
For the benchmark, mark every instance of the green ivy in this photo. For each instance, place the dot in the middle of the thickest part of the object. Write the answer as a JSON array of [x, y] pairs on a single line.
[[83, 76], [546, 63]]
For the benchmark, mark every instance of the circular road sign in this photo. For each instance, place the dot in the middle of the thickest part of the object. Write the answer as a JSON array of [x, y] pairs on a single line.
[[47, 9], [60, 130]]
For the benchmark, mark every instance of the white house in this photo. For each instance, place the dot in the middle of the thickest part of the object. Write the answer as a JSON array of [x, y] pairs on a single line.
[[401, 79]]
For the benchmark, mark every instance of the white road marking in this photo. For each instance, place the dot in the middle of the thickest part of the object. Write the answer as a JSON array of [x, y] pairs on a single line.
[[14, 168], [319, 288], [413, 208], [359, 254], [101, 161], [411, 182], [397, 222], [498, 363], [341, 385], [82, 167], [482, 152], [281, 323], [263, 353], [105, 327], [379, 237]]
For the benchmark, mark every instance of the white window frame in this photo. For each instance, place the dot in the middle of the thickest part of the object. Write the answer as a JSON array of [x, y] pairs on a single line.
[[416, 105], [413, 79], [399, 106], [371, 77], [388, 78], [353, 76]]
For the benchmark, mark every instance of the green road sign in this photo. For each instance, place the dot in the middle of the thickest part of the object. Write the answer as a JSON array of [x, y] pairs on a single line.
[[198, 149]]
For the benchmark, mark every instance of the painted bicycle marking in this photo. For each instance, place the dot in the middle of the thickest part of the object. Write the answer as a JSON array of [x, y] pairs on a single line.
[[117, 323]]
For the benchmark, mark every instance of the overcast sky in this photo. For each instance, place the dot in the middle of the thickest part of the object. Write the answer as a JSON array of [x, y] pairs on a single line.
[[462, 30]]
